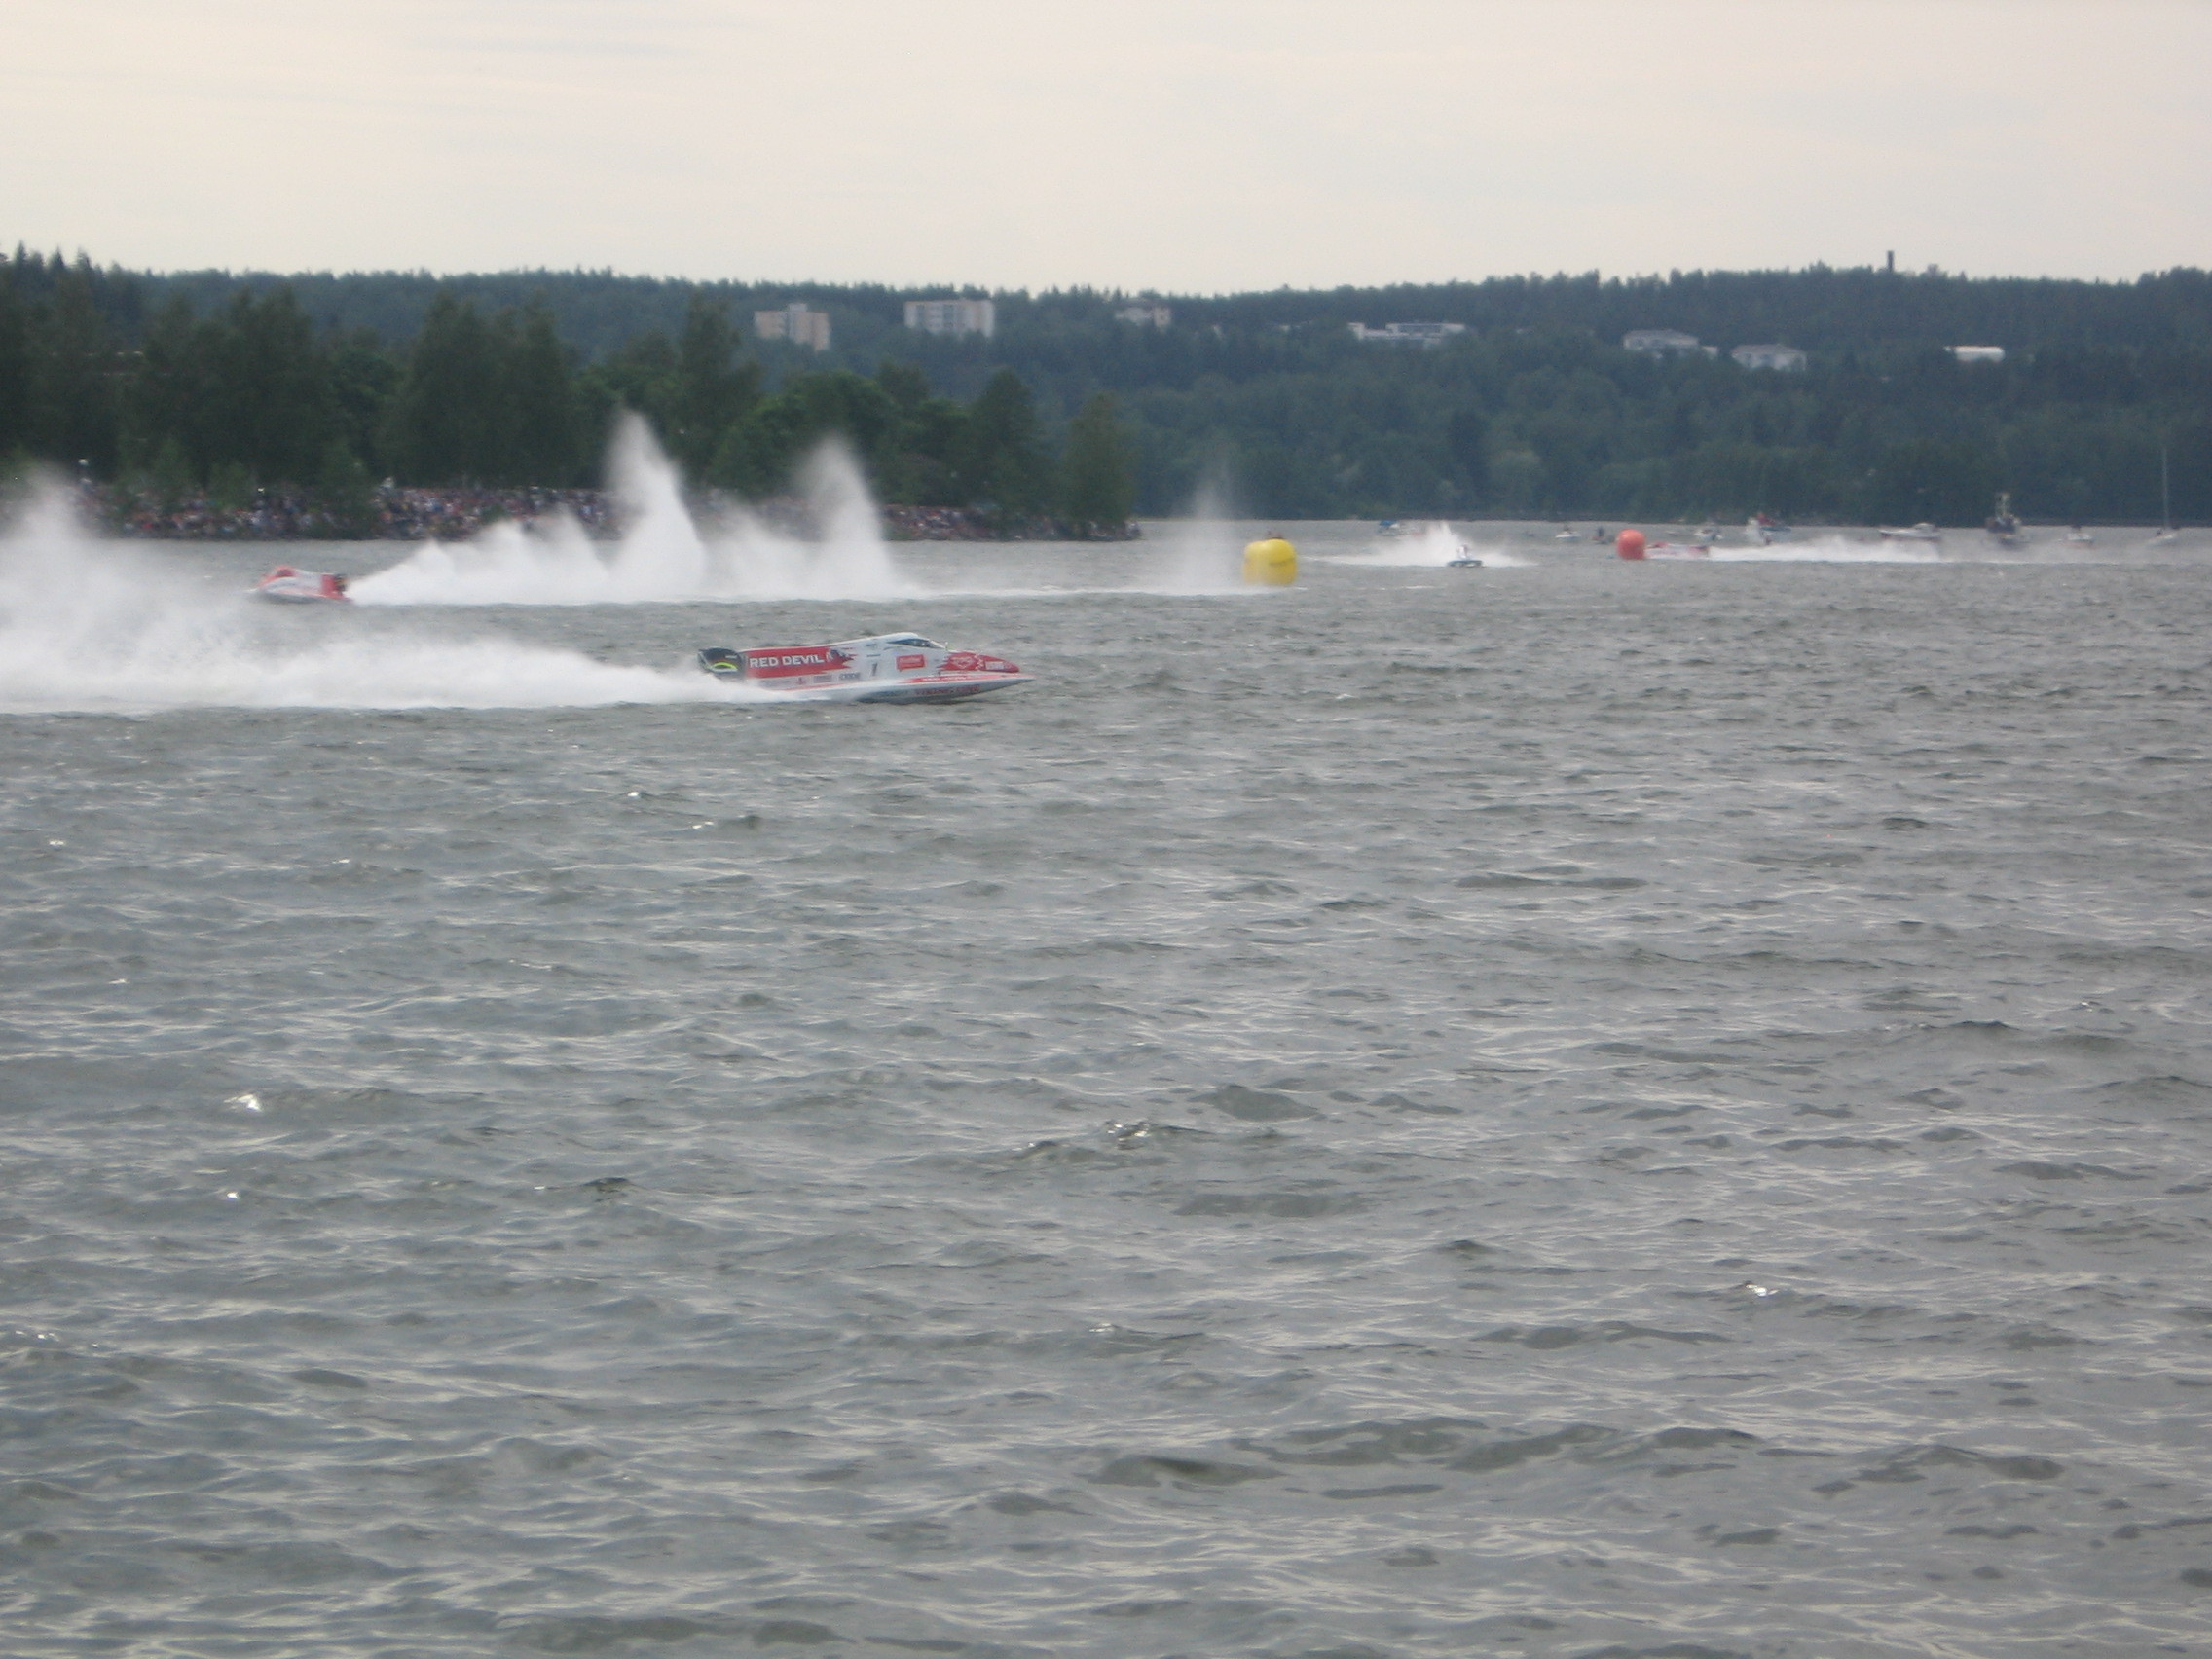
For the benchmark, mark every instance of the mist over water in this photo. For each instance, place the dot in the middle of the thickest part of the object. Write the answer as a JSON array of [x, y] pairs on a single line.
[[664, 555], [87, 624], [1201, 552]]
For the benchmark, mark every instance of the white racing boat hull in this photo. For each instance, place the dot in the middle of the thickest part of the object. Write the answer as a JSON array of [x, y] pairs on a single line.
[[285, 585], [887, 668]]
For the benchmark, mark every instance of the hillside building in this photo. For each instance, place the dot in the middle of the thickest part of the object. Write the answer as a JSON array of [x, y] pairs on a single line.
[[1425, 334], [1659, 342], [795, 323], [1147, 315], [954, 317], [1787, 359], [1978, 353]]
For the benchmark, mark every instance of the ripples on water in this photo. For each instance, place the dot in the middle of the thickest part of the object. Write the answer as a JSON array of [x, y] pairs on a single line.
[[1570, 1110]]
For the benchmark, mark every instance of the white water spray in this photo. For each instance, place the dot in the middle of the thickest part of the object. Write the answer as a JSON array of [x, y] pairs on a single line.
[[1201, 553], [664, 555], [1431, 546], [1830, 550], [91, 626]]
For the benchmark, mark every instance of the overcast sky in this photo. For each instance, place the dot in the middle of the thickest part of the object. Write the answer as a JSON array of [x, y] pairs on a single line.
[[1178, 145]]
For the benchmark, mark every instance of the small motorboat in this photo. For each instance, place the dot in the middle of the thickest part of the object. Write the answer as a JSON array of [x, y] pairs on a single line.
[[1464, 560], [2080, 537], [289, 586], [884, 668], [1389, 527], [1921, 531]]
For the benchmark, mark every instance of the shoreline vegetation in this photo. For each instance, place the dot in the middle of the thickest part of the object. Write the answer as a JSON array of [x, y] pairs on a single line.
[[1822, 395], [457, 513]]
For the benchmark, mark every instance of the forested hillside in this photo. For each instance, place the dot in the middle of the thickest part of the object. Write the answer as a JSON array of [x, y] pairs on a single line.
[[200, 378]]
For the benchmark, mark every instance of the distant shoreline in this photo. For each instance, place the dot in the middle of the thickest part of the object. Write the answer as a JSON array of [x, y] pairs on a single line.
[[459, 513]]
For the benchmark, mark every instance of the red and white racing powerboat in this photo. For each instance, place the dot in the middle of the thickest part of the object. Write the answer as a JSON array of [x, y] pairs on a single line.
[[886, 668], [1631, 545], [301, 588]]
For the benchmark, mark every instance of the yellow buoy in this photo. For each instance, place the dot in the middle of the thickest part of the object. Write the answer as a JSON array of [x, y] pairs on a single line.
[[1270, 562]]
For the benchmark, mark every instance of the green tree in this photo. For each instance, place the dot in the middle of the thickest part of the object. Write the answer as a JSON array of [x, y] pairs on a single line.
[[903, 384], [170, 475], [72, 379], [363, 381], [1941, 480], [15, 365], [445, 425], [541, 417], [1097, 482], [931, 438], [271, 407], [758, 454], [1004, 464], [164, 399], [641, 375], [712, 389], [344, 490]]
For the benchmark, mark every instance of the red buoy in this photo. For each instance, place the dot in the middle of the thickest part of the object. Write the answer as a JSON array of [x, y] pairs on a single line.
[[1630, 544]]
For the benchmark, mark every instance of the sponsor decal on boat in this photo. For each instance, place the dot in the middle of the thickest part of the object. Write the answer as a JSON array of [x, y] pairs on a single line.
[[777, 664]]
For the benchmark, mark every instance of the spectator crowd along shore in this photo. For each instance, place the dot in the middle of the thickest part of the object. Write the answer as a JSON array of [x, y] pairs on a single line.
[[393, 513]]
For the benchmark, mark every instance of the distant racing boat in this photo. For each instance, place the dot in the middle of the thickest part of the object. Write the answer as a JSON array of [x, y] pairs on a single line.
[[1921, 531], [1631, 545], [289, 586]]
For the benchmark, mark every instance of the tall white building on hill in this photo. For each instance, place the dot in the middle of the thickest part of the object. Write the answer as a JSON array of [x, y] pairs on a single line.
[[954, 317], [795, 323]]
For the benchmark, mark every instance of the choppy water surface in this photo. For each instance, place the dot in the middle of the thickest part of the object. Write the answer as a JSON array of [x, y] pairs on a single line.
[[1558, 1110]]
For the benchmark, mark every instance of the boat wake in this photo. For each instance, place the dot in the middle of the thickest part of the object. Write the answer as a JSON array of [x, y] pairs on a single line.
[[88, 626], [1830, 550], [665, 555], [1432, 546]]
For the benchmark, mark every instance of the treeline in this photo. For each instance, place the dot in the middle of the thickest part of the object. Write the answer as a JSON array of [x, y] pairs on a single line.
[[257, 395], [1534, 410]]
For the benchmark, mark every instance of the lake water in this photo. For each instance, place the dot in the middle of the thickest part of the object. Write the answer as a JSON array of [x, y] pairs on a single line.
[[1564, 1109]]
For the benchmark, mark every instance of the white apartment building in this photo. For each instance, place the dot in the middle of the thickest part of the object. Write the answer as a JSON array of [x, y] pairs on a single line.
[[1147, 315], [1978, 353], [954, 317], [795, 323], [1784, 357], [1407, 333], [1659, 342]]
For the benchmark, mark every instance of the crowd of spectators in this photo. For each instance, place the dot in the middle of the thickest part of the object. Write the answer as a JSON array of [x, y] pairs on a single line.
[[978, 523], [455, 513], [394, 513], [272, 516]]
